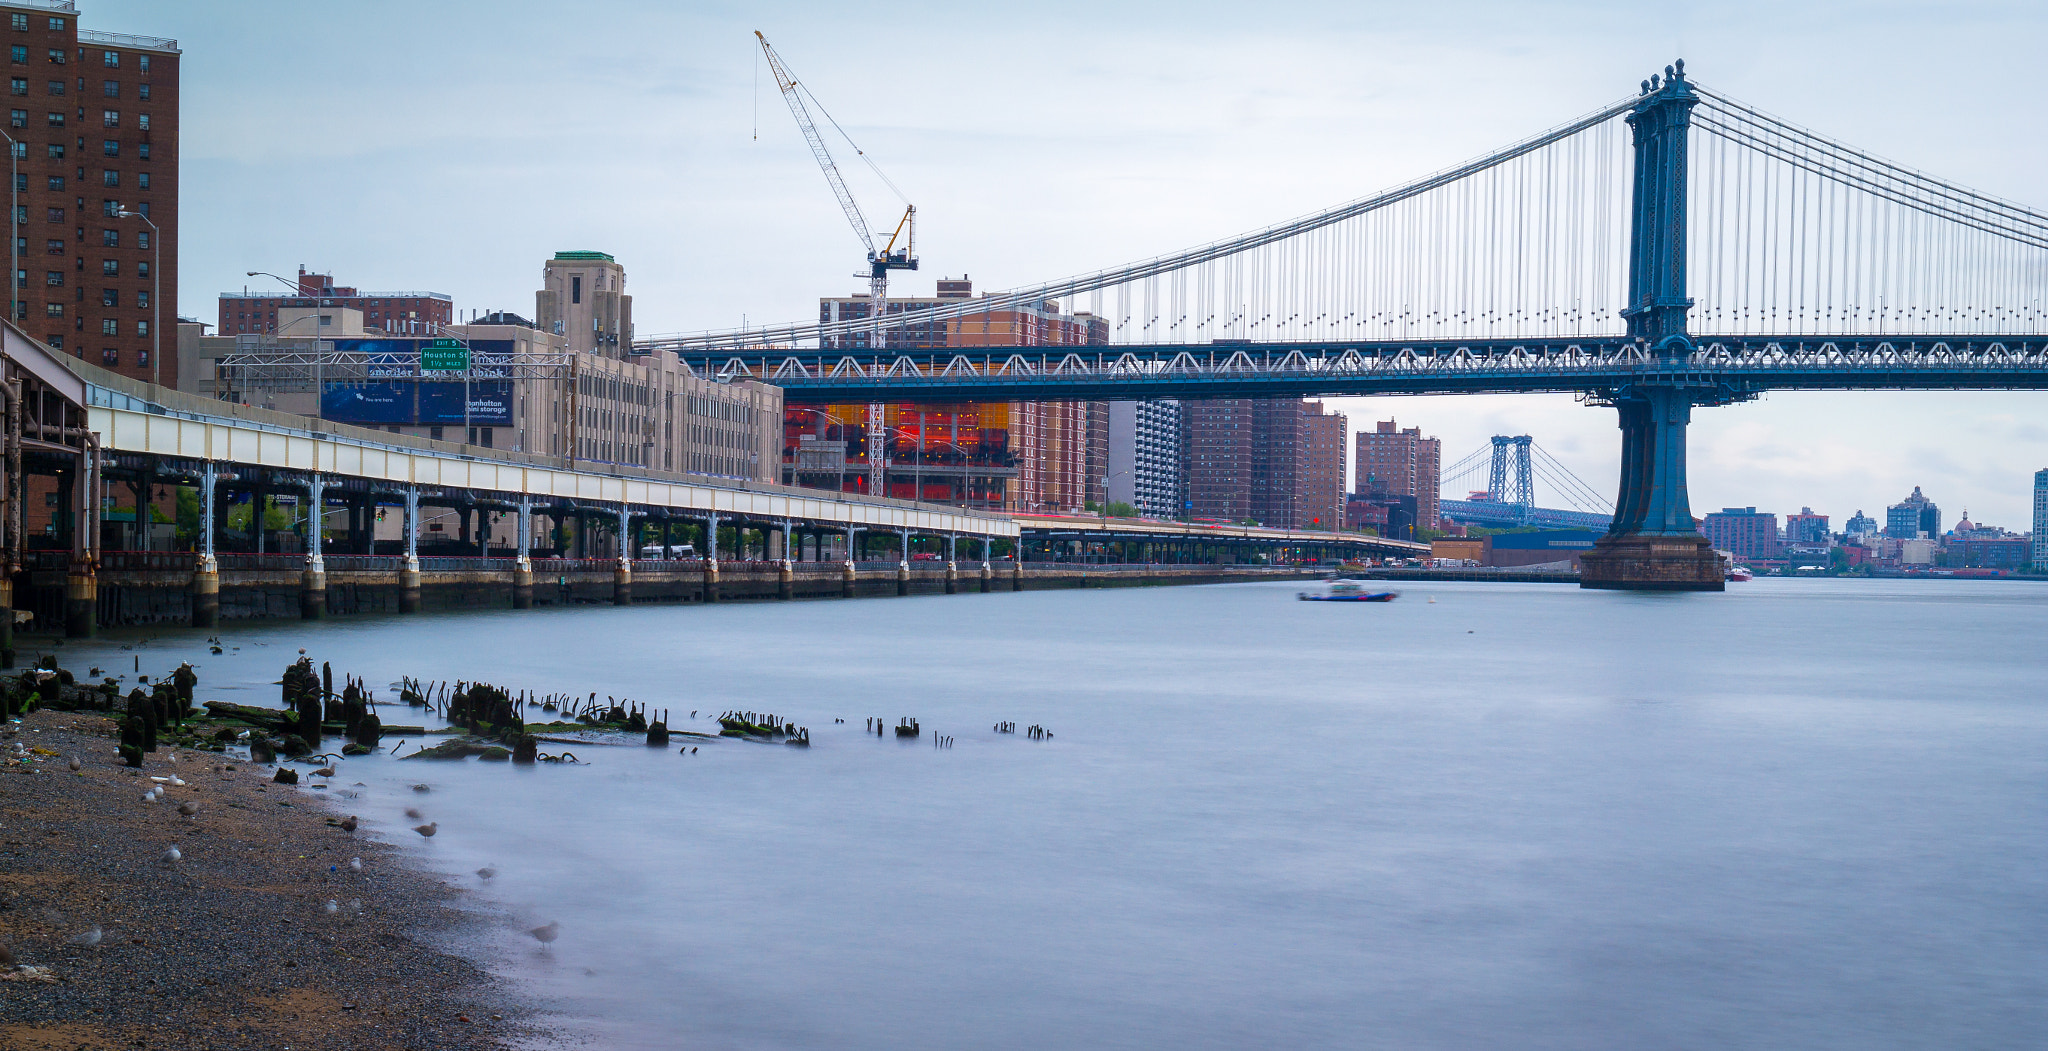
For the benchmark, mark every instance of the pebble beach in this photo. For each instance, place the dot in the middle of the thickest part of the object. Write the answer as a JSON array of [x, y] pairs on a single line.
[[113, 942]]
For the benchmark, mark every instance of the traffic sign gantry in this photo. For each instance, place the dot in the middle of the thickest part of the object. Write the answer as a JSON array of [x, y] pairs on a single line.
[[444, 355]]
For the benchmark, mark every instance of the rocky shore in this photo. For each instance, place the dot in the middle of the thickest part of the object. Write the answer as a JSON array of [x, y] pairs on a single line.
[[256, 933]]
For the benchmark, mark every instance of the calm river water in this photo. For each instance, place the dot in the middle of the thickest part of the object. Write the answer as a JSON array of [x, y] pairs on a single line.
[[1803, 814]]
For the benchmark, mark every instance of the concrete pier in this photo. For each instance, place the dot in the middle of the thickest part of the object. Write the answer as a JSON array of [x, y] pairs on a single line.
[[206, 593]]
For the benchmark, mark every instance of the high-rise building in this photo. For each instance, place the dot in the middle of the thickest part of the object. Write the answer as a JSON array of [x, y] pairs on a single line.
[[1219, 458], [1742, 531], [1806, 527], [1860, 524], [95, 120], [1279, 460], [1320, 504], [1145, 457], [583, 297], [1401, 461], [392, 313], [2040, 536], [1912, 517]]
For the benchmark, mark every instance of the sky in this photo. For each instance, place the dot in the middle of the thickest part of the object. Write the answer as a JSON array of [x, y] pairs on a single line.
[[454, 145]]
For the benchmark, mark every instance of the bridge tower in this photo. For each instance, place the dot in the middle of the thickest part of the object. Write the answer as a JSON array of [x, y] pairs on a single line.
[[1653, 544]]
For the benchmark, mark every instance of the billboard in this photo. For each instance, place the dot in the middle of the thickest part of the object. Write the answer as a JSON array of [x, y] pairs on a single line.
[[424, 403], [490, 403], [370, 403]]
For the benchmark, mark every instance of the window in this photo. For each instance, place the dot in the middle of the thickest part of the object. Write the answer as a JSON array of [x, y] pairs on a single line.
[[110, 208], [111, 147], [54, 247], [142, 359], [53, 310], [142, 300], [20, 181], [142, 329], [143, 208], [110, 118], [55, 279], [576, 289], [142, 238], [142, 270], [110, 297], [19, 54], [56, 215], [142, 121], [18, 85], [110, 88], [56, 87], [56, 57], [56, 182], [142, 180], [143, 62], [142, 150], [56, 26], [110, 178], [110, 327], [57, 151], [111, 58], [20, 23], [110, 357], [18, 118], [110, 268], [142, 92], [434, 433], [21, 213], [56, 120]]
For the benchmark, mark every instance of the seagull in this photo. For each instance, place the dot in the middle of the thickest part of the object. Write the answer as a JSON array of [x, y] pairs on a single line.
[[546, 933], [87, 938], [189, 809], [428, 829], [355, 864], [174, 855], [486, 872], [326, 771], [76, 765], [149, 796], [348, 824]]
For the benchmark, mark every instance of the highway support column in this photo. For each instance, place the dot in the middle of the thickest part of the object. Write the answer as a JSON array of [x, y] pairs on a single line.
[[522, 567], [313, 580], [409, 573]]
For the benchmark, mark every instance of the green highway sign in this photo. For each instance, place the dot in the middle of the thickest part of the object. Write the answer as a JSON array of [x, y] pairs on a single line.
[[444, 355]]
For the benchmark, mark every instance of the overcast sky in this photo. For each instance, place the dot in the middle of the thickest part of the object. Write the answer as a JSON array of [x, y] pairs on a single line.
[[453, 145]]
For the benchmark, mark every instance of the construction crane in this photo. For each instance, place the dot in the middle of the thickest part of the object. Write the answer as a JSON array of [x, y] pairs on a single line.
[[880, 260]]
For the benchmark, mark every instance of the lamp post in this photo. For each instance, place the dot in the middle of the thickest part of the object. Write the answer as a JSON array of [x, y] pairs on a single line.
[[298, 293], [14, 275], [156, 301]]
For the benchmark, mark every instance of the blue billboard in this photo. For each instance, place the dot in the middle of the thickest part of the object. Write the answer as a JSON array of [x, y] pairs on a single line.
[[373, 403], [490, 403]]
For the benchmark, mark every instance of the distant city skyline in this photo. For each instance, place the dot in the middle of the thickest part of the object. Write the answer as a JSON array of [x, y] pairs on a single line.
[[1092, 137]]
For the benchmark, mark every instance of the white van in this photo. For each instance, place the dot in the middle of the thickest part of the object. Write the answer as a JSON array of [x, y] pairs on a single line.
[[654, 552]]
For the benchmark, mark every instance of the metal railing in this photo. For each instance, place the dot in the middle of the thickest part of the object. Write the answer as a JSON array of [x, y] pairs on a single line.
[[147, 43]]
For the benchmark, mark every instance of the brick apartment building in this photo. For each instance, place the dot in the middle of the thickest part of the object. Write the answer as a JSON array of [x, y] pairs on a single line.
[[94, 118], [1399, 461], [1743, 532], [1275, 461], [392, 313]]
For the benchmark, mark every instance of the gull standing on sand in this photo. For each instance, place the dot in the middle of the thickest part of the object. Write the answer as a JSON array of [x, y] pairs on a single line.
[[428, 829], [546, 933], [76, 765], [486, 873], [355, 864], [189, 809], [348, 824], [174, 855]]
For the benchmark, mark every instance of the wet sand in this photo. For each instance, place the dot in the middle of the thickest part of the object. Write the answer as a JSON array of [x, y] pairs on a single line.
[[232, 946]]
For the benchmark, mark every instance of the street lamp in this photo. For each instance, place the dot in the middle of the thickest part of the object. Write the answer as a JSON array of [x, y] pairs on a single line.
[[156, 300], [14, 275], [298, 293]]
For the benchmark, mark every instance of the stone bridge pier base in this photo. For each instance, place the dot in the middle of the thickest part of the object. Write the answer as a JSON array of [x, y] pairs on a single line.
[[785, 581], [206, 593], [409, 586], [313, 591], [1653, 544], [622, 584], [522, 584], [81, 600]]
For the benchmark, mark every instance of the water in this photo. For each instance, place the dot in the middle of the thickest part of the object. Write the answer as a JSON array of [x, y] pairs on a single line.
[[1801, 814]]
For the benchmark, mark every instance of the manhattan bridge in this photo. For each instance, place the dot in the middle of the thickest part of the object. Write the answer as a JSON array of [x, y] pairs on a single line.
[[1677, 249]]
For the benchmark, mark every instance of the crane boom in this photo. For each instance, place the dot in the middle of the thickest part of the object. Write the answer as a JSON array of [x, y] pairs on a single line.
[[797, 109]]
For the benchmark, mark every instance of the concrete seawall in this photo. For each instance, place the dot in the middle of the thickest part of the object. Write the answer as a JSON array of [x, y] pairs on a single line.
[[161, 594]]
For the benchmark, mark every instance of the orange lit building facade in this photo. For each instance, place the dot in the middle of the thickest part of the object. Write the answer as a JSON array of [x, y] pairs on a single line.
[[991, 455]]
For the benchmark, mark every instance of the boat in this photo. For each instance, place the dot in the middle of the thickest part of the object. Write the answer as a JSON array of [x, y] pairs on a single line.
[[1740, 573], [1348, 591]]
